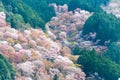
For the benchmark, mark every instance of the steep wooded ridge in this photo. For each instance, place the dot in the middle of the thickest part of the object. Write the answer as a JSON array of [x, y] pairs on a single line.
[[59, 40]]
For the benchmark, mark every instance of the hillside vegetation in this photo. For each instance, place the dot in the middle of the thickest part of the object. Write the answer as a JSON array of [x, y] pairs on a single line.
[[35, 15], [79, 36], [106, 26], [93, 62], [38, 12], [7, 72]]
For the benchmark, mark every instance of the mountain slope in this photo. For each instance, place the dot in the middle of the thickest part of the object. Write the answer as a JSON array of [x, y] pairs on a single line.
[[35, 18]]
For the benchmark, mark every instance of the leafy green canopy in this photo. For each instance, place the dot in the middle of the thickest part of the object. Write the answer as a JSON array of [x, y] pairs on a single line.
[[113, 53], [36, 12], [42, 8], [93, 62], [89, 5], [107, 27], [7, 72]]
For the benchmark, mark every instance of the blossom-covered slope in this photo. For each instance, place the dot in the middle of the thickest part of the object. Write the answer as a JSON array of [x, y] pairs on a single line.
[[38, 55], [35, 56], [113, 7], [67, 27]]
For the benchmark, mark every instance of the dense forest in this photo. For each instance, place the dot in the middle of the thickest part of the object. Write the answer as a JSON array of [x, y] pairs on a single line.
[[105, 65], [93, 62], [89, 5], [104, 25]]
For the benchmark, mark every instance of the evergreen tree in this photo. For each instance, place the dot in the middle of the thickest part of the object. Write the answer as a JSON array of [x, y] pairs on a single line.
[[105, 25], [89, 5], [92, 62], [113, 53], [7, 72]]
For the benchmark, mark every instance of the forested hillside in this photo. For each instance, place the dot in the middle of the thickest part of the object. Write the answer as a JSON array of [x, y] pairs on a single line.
[[94, 63], [26, 12], [104, 25], [59, 40], [38, 12]]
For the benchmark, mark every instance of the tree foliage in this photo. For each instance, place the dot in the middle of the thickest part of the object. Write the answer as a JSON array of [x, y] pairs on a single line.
[[105, 25], [89, 5], [93, 62], [36, 12], [42, 8], [113, 53], [7, 72]]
